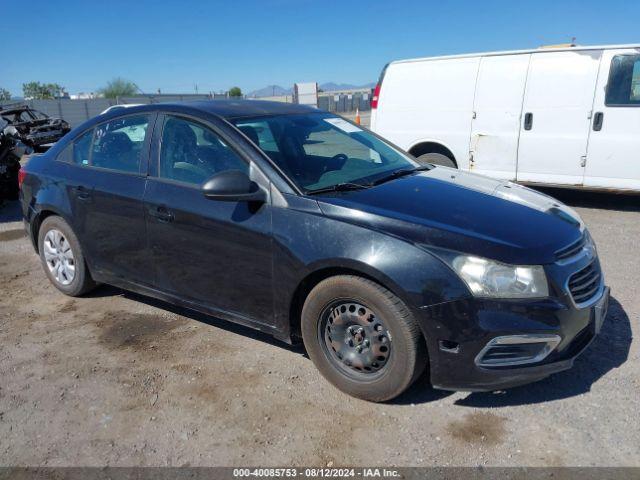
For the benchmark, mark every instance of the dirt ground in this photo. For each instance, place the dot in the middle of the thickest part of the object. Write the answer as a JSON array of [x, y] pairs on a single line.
[[119, 379]]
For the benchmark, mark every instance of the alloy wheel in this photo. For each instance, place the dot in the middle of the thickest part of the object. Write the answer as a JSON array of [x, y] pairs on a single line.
[[59, 257]]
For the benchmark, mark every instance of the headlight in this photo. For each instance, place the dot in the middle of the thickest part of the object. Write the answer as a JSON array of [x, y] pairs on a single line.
[[486, 278]]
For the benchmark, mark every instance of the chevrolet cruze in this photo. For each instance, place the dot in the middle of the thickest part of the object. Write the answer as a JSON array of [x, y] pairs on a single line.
[[301, 224]]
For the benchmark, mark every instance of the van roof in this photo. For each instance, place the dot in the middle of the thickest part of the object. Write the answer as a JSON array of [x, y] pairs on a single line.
[[542, 49]]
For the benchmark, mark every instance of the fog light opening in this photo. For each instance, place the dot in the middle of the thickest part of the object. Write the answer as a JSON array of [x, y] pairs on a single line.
[[517, 350]]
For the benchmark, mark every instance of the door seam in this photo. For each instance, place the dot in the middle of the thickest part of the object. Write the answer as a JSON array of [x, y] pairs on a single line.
[[524, 93]]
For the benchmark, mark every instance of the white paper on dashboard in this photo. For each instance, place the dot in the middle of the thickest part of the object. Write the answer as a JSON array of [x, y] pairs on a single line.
[[343, 125]]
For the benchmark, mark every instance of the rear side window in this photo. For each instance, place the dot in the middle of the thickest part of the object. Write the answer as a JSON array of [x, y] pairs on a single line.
[[192, 153], [118, 144], [82, 148], [623, 88]]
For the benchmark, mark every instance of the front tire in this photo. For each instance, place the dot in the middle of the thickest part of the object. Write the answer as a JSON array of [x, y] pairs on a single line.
[[62, 258], [362, 338]]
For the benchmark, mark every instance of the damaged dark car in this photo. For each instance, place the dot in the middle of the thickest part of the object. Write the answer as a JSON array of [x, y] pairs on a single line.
[[35, 129]]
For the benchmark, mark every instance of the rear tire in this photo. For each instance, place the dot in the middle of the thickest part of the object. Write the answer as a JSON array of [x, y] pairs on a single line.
[[62, 258], [436, 159], [345, 313]]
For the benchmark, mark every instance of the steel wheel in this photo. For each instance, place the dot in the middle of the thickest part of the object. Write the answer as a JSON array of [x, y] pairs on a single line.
[[354, 338], [59, 257]]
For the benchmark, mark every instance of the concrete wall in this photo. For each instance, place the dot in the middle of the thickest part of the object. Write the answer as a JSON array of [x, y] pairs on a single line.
[[77, 111]]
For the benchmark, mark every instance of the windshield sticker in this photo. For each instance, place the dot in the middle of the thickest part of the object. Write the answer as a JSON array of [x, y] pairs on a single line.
[[343, 125]]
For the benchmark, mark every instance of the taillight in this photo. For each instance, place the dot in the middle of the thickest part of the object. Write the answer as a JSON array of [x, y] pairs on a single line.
[[22, 174], [376, 91], [376, 94]]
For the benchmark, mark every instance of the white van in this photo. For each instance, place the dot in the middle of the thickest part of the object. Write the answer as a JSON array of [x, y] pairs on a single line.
[[567, 116]]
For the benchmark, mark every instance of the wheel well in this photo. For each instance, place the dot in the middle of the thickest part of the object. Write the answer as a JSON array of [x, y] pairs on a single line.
[[305, 287], [35, 226], [432, 147]]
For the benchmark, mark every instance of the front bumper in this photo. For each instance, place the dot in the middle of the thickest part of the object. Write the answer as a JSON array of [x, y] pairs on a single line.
[[470, 324]]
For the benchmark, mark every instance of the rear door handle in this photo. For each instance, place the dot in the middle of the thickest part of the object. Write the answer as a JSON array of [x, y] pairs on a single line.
[[598, 119], [528, 120], [82, 193], [161, 213]]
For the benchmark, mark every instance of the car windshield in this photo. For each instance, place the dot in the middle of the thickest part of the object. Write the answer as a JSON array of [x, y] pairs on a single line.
[[318, 150]]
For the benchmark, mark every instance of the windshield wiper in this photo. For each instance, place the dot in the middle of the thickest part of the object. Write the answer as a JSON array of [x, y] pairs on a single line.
[[339, 187], [400, 173]]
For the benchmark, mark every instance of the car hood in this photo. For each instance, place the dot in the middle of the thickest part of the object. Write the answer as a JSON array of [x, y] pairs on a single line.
[[447, 208]]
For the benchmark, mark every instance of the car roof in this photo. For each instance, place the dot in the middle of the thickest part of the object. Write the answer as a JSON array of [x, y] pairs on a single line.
[[229, 109], [248, 108]]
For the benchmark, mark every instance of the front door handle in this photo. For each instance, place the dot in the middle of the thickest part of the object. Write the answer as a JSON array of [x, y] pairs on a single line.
[[598, 118], [528, 120], [82, 193], [162, 214]]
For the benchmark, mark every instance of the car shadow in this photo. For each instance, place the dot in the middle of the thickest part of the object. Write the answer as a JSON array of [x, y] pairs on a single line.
[[110, 291], [10, 212], [608, 351], [599, 200], [420, 392]]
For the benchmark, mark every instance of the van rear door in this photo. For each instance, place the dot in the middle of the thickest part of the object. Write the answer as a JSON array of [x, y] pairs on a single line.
[[556, 116], [495, 128], [613, 157], [428, 101]]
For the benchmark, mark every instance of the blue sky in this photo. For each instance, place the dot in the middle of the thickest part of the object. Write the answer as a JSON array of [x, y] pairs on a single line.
[[173, 45]]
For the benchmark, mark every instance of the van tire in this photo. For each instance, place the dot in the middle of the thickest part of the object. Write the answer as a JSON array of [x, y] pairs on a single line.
[[436, 159]]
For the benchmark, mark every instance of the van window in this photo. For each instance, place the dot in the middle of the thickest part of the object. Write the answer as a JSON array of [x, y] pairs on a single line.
[[192, 153], [623, 87], [118, 144]]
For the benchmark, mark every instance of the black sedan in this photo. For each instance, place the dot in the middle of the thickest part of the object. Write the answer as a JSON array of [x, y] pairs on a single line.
[[299, 223]]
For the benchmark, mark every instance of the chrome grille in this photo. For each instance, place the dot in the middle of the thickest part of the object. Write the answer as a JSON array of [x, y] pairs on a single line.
[[571, 250], [585, 283]]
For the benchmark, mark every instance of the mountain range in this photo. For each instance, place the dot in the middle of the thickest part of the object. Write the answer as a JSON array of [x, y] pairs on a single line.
[[277, 90]]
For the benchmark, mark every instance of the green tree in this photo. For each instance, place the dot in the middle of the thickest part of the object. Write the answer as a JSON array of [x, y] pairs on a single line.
[[40, 91], [4, 95], [235, 92], [119, 87]]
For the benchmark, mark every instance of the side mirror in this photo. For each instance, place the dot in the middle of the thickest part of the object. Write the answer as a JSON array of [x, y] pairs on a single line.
[[233, 186]]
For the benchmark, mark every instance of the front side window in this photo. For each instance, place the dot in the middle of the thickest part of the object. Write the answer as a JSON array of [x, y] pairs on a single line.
[[192, 153], [118, 144], [623, 87], [320, 150]]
